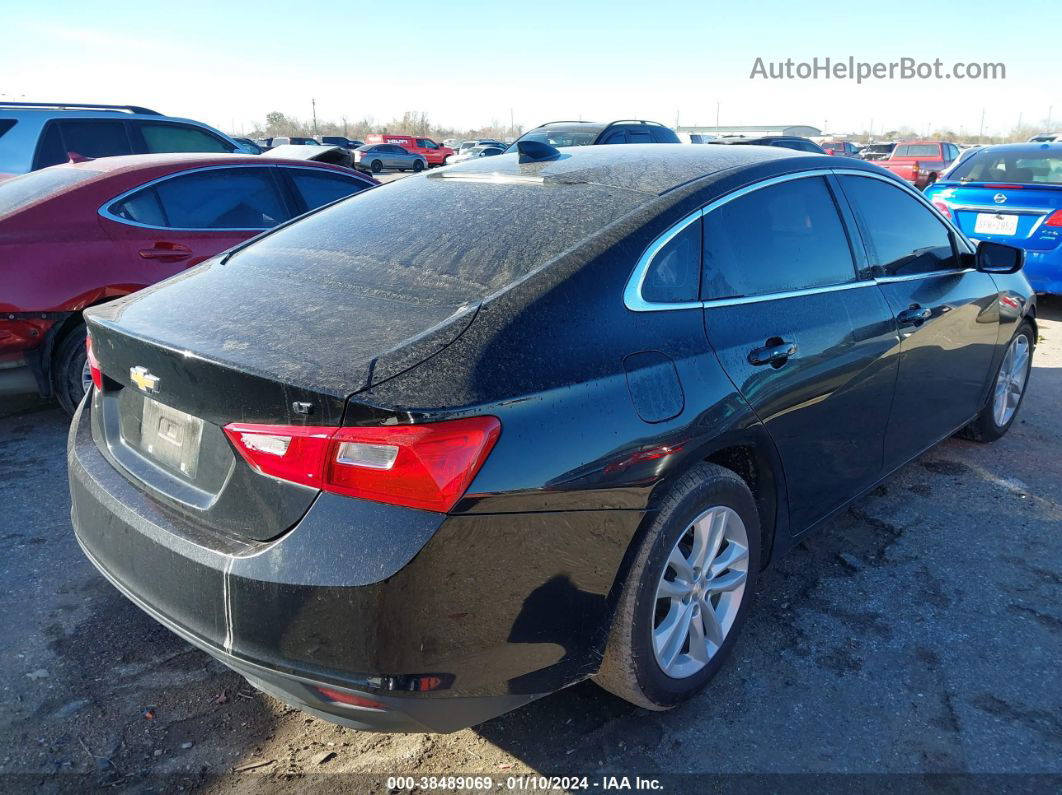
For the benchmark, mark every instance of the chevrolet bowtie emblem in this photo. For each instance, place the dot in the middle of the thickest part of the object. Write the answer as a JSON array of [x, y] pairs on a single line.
[[143, 379]]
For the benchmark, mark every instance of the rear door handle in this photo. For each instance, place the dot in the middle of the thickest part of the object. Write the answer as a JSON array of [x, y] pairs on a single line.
[[915, 314], [166, 252], [775, 353]]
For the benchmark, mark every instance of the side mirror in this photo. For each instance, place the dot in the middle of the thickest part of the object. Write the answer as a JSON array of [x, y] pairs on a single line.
[[999, 258]]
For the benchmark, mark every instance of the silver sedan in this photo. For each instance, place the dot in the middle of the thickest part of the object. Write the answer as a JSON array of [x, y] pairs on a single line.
[[377, 157]]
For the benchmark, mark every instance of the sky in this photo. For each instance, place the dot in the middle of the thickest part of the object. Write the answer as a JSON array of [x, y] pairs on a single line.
[[468, 64]]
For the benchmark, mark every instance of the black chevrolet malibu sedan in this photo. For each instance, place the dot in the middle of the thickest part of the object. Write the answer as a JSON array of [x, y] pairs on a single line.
[[463, 440]]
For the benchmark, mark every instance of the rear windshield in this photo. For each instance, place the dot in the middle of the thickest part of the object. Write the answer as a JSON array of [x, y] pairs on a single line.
[[1031, 168], [22, 191], [879, 147], [436, 241], [560, 136], [917, 150]]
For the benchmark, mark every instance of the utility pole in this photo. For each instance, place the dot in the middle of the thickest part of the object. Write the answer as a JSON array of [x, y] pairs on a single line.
[[1050, 116], [981, 134], [512, 124], [717, 116], [313, 104], [344, 126]]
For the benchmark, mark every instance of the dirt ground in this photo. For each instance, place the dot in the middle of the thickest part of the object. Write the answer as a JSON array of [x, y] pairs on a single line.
[[918, 632]]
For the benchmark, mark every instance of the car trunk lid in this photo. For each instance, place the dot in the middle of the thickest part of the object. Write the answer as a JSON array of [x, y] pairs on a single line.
[[173, 380]]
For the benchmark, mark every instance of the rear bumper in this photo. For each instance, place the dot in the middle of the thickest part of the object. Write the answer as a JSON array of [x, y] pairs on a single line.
[[1043, 269], [405, 714], [366, 598]]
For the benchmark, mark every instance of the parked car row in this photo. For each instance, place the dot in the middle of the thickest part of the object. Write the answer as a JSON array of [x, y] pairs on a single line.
[[128, 222]]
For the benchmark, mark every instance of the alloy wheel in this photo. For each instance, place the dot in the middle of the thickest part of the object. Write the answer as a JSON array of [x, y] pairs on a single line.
[[700, 591], [1013, 375], [86, 377]]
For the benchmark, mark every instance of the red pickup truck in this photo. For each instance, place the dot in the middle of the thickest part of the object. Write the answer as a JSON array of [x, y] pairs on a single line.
[[920, 162]]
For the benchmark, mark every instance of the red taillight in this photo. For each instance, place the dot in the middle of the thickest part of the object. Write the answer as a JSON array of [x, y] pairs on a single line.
[[353, 700], [1054, 219], [944, 208], [94, 365], [428, 466]]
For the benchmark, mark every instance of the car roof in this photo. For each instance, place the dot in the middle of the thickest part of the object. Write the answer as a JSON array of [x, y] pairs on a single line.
[[648, 168], [108, 166], [1026, 147]]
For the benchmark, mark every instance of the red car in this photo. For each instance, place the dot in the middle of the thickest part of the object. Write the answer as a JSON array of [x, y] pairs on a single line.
[[920, 162], [76, 235]]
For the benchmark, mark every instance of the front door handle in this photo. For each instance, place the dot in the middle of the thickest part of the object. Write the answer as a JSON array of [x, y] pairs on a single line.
[[915, 314], [775, 353], [166, 252]]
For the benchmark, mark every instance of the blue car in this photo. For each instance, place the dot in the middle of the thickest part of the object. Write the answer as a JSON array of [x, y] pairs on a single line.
[[1011, 193]]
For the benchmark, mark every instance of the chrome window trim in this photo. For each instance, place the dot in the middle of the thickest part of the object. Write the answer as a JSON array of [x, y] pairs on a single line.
[[755, 299], [632, 294], [104, 210]]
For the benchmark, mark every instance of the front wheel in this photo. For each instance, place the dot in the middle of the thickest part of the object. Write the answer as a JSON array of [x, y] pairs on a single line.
[[376, 166], [1008, 389], [687, 592], [71, 376]]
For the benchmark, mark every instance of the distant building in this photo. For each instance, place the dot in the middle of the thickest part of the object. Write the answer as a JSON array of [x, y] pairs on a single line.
[[751, 130]]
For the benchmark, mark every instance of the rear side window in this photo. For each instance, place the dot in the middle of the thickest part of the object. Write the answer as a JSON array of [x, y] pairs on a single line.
[[50, 150], [674, 275], [141, 208], [5, 125], [90, 138], [776, 239], [903, 236], [179, 138], [318, 188], [228, 198]]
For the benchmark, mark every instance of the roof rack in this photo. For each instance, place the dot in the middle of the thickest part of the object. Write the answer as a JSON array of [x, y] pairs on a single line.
[[81, 106], [634, 121], [564, 121]]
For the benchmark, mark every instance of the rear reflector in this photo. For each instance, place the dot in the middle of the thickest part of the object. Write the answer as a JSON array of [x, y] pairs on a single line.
[[341, 697], [428, 466], [94, 365], [1054, 219]]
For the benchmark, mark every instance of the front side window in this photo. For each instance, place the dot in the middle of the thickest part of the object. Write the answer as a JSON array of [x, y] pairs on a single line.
[[902, 235], [227, 198], [776, 239], [179, 138], [674, 275]]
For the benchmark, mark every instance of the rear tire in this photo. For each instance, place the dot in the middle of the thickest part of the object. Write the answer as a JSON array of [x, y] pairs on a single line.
[[1005, 399], [635, 665], [376, 166], [418, 166], [70, 369]]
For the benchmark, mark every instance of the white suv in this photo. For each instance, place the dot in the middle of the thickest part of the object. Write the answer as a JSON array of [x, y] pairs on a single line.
[[36, 135]]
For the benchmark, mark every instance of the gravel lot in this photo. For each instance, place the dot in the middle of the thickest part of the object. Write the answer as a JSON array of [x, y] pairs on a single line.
[[919, 632]]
